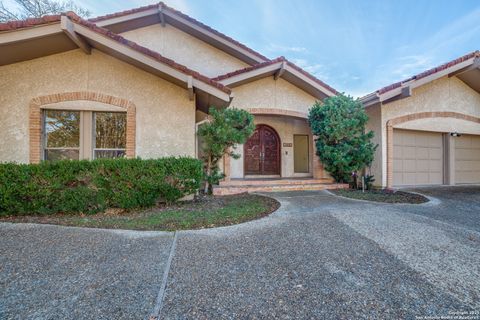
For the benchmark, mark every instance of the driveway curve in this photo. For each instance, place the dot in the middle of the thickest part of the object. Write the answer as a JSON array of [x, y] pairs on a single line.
[[318, 256]]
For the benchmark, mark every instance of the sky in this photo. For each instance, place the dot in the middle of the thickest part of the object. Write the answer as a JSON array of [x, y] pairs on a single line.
[[356, 46]]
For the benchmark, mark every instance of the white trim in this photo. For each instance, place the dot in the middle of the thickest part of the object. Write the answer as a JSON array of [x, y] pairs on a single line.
[[30, 33], [149, 61], [131, 16], [311, 82], [214, 36], [166, 12], [250, 74]]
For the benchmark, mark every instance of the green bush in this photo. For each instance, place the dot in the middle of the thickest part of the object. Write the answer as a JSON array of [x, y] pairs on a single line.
[[92, 186]]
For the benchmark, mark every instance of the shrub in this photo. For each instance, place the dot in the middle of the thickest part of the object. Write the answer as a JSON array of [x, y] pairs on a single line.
[[225, 129], [343, 144], [92, 186]]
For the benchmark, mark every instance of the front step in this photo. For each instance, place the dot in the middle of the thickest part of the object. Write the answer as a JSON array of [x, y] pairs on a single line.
[[258, 182], [235, 189]]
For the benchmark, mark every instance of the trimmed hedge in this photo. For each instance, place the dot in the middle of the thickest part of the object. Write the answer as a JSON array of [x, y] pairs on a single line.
[[92, 186]]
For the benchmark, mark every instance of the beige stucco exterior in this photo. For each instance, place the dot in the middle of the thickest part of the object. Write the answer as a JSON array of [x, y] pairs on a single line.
[[185, 49], [268, 93], [272, 94], [286, 128], [73, 71], [447, 94]]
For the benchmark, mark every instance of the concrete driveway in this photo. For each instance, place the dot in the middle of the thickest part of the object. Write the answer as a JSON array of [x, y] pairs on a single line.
[[319, 256]]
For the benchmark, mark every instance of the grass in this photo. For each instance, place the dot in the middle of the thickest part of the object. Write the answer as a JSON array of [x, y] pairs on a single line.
[[207, 212], [382, 196]]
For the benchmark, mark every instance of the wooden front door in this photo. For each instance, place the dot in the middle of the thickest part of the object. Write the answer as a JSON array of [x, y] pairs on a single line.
[[262, 152]]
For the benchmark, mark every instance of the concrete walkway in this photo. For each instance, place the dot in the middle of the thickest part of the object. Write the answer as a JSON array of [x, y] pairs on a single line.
[[319, 256]]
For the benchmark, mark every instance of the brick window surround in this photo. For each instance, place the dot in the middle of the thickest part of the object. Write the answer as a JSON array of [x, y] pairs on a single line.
[[416, 116], [38, 103]]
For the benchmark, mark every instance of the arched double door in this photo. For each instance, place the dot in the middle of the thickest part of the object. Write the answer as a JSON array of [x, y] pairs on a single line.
[[262, 152]]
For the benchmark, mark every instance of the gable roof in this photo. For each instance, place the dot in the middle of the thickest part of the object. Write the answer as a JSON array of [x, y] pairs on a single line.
[[116, 45], [70, 31], [403, 88], [279, 67], [164, 14]]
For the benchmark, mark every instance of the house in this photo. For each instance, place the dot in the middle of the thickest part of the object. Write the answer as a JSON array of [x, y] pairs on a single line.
[[138, 83], [428, 126]]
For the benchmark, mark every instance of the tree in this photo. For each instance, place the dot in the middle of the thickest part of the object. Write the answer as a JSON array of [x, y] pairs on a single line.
[[220, 135], [38, 8], [342, 143]]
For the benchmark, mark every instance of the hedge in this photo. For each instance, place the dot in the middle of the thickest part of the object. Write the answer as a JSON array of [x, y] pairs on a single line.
[[92, 186]]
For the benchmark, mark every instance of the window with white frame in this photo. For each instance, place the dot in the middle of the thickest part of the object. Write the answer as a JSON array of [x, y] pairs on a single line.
[[84, 134]]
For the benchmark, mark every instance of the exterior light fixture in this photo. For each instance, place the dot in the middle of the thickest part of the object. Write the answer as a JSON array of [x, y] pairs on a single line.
[[455, 134]]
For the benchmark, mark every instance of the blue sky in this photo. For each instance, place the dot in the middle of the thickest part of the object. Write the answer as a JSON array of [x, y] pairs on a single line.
[[355, 46]]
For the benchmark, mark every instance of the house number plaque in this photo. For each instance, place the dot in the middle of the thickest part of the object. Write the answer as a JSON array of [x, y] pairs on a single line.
[[287, 144]]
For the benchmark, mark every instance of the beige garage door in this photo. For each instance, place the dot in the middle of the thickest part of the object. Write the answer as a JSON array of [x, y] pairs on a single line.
[[467, 159], [417, 158]]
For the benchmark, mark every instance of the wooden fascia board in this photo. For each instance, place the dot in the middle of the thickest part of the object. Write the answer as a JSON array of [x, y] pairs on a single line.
[[29, 33], [475, 65], [128, 17], [149, 61], [213, 36], [309, 81], [280, 72], [243, 77], [69, 29], [417, 83]]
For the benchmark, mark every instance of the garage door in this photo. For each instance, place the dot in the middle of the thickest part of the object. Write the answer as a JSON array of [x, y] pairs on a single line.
[[467, 159], [417, 158]]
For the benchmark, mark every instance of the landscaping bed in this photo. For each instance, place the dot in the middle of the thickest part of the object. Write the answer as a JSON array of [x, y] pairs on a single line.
[[381, 195], [206, 212]]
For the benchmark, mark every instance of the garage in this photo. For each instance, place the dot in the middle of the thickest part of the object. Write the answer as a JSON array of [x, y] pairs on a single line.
[[417, 158], [467, 159]]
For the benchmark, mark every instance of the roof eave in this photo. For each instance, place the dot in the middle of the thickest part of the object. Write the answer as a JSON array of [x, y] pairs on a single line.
[[176, 19]]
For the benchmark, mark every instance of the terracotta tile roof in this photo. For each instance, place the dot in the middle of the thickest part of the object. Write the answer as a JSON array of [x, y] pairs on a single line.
[[32, 22], [14, 25], [268, 63], [181, 14], [123, 13], [248, 69], [430, 72]]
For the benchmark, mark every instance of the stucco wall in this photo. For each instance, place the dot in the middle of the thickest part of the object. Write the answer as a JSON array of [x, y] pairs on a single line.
[[273, 94], [185, 49], [286, 128], [156, 135], [444, 94]]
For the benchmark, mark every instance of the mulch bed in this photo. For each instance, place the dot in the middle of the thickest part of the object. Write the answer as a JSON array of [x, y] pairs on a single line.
[[382, 195], [227, 210]]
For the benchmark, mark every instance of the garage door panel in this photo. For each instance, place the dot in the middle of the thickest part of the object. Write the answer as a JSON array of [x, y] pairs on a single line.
[[398, 165], [409, 178], [467, 159], [436, 166], [422, 153], [435, 178], [418, 158], [408, 152], [409, 165], [435, 153]]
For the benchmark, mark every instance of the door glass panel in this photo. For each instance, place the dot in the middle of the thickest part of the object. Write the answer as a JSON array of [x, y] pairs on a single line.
[[110, 134], [62, 134], [300, 153]]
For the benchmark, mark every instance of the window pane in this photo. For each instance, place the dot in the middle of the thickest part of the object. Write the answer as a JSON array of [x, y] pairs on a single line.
[[109, 154], [110, 130], [61, 154], [62, 129]]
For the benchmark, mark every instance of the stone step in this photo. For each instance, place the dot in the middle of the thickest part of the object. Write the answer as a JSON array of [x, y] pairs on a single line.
[[250, 182], [227, 190]]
